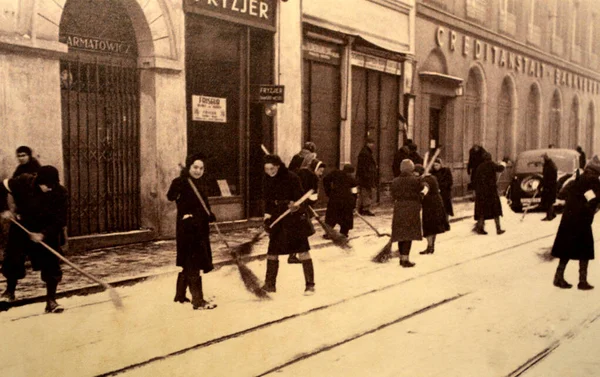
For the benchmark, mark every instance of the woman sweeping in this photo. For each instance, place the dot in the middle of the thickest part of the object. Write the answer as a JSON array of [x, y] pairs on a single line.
[[435, 220], [192, 231]]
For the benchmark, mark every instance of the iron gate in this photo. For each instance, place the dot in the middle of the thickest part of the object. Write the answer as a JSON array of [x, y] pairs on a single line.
[[100, 117]]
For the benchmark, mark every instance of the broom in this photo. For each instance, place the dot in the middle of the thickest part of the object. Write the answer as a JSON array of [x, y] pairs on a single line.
[[114, 296], [371, 226], [385, 254], [338, 238]]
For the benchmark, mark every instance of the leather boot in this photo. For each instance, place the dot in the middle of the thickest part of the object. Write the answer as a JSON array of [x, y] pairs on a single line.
[[309, 277], [271, 276], [198, 301], [559, 276], [583, 283], [9, 294], [479, 227], [51, 305], [180, 289], [498, 229]]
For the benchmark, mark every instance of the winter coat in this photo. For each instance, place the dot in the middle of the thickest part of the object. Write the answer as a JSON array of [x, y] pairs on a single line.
[[549, 183], [366, 168], [445, 180], [192, 227], [406, 221], [300, 160], [487, 201], [574, 239], [341, 189], [309, 180], [31, 167], [475, 159], [401, 154], [435, 220], [288, 236]]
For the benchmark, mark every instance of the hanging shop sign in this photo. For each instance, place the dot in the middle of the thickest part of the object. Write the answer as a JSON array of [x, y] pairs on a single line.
[[375, 63], [78, 42], [257, 13], [323, 52], [477, 49], [209, 109], [263, 93]]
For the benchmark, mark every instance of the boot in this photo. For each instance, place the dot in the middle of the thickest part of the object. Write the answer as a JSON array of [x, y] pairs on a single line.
[[583, 283], [51, 305], [180, 289], [498, 229], [271, 276], [404, 262], [428, 250], [559, 279], [198, 301], [479, 227], [9, 294], [309, 277]]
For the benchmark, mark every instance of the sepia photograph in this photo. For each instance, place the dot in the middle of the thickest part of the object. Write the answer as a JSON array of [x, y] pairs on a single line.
[[303, 188]]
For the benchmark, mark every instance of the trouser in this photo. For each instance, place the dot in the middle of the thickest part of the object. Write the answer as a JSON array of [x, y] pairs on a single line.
[[365, 198]]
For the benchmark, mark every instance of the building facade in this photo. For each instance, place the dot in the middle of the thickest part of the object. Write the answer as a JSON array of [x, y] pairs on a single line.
[[505, 74]]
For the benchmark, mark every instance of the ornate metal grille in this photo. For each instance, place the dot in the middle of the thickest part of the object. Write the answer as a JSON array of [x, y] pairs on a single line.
[[100, 110]]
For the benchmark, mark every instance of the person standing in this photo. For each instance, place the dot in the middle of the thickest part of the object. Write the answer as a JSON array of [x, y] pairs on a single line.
[[445, 180], [407, 192], [303, 158], [549, 187], [487, 201], [192, 231], [27, 163], [434, 216], [574, 239], [413, 155], [401, 154], [341, 188], [366, 174], [41, 207], [476, 157], [582, 157], [281, 188]]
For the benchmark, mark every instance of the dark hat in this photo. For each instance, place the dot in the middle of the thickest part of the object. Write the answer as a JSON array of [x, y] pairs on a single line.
[[47, 175], [273, 159], [193, 157], [348, 169], [419, 169]]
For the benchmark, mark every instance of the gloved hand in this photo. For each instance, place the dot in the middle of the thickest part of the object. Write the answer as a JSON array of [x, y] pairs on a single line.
[[267, 220], [212, 218], [293, 207]]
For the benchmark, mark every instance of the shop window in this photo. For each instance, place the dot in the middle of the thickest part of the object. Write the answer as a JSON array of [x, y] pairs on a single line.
[[573, 124], [589, 130], [554, 128], [536, 22], [578, 34], [505, 120], [529, 133]]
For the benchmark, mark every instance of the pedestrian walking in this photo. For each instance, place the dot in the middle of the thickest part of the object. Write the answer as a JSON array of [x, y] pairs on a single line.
[[303, 158], [192, 231], [549, 187], [341, 188], [27, 163], [366, 175], [487, 201], [407, 192], [445, 181], [574, 239], [582, 157], [476, 157], [434, 216], [290, 235], [41, 207]]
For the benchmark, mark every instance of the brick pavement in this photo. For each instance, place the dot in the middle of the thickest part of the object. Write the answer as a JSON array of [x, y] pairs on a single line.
[[133, 263]]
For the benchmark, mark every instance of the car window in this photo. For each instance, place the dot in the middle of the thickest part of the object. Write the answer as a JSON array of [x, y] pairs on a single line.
[[532, 164]]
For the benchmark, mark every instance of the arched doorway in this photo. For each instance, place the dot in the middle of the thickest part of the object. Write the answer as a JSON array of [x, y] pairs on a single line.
[[473, 111], [555, 119], [589, 130], [504, 139], [530, 136], [100, 112], [573, 133]]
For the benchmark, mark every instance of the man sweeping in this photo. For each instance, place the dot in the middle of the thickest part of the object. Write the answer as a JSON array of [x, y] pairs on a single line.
[[41, 207]]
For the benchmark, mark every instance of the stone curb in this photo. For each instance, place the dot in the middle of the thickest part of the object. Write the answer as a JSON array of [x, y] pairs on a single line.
[[129, 281]]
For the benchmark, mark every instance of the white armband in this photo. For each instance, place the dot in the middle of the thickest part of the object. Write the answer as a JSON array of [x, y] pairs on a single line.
[[267, 216], [5, 183], [589, 195], [354, 190], [314, 197], [425, 190]]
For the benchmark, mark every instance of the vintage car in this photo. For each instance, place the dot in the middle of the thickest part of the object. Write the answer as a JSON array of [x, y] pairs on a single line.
[[524, 189]]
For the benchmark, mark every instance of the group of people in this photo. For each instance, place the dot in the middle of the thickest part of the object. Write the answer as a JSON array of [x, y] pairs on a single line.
[[34, 198]]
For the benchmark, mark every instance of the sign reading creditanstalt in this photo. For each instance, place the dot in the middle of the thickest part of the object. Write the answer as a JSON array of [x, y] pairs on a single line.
[[258, 13], [484, 51]]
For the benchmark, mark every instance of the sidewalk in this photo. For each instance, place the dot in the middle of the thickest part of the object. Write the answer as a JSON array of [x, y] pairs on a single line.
[[130, 264]]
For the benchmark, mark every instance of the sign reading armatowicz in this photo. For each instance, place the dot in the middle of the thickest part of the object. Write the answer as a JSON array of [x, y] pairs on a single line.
[[267, 93]]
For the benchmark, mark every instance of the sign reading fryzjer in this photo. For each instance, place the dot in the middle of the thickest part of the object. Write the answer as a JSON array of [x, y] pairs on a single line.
[[267, 93], [209, 109], [259, 13]]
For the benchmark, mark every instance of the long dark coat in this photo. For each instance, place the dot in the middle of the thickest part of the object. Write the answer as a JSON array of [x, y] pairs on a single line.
[[366, 168], [406, 222], [574, 239], [39, 212], [279, 191], [487, 201], [435, 220], [445, 180], [549, 183], [475, 159], [30, 167], [309, 180], [342, 201], [192, 228]]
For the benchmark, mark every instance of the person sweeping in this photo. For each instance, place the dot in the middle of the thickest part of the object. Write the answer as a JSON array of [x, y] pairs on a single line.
[[435, 220]]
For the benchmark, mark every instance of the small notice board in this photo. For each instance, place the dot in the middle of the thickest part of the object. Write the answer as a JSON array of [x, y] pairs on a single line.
[[209, 109]]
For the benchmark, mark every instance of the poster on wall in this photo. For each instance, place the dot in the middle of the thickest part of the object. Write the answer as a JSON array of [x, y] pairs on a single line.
[[209, 109]]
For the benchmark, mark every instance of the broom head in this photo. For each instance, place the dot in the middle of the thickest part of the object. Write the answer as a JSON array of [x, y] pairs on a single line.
[[115, 298], [251, 281], [385, 254], [246, 247], [338, 238]]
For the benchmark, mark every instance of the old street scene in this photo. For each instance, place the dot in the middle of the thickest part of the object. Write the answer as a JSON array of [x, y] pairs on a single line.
[[299, 188]]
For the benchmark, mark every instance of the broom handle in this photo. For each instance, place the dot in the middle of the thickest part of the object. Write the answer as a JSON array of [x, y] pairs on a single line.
[[59, 256], [366, 222], [296, 203], [208, 212], [430, 165]]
